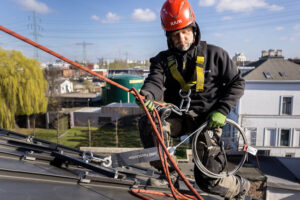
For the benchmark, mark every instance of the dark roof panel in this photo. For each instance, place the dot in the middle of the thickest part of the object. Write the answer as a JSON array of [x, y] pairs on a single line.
[[31, 168], [278, 69]]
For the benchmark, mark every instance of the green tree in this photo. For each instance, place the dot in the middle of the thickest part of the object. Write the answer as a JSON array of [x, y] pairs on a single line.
[[23, 87], [118, 64]]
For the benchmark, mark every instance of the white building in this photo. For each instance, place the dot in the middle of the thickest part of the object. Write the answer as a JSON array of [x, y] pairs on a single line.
[[63, 86], [269, 110], [239, 57], [58, 64]]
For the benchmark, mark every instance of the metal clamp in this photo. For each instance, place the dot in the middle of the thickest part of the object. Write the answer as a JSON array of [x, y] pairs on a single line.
[[185, 101], [29, 139], [107, 161], [87, 156]]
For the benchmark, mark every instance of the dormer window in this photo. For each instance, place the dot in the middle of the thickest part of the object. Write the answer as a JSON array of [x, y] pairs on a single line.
[[268, 75], [282, 74]]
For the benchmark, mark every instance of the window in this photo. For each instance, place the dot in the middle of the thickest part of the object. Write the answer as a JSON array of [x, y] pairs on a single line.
[[286, 106], [268, 75], [283, 74], [263, 152], [290, 155], [251, 135], [285, 137], [296, 138], [270, 137]]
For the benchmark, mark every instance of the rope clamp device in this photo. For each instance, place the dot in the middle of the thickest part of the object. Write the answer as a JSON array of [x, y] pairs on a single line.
[[87, 156], [185, 100]]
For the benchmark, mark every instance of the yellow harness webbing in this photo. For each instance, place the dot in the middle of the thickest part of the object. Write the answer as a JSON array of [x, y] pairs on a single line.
[[198, 78]]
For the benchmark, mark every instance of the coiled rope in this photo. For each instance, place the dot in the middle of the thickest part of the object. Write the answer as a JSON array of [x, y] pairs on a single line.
[[198, 161]]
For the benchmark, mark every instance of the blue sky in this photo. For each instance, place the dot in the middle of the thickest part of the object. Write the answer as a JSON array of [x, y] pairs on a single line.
[[131, 28]]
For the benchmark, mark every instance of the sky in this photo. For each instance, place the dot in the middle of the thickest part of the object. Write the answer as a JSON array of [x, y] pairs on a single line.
[[131, 29]]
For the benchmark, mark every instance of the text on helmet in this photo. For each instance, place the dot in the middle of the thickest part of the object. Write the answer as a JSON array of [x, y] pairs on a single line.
[[176, 22]]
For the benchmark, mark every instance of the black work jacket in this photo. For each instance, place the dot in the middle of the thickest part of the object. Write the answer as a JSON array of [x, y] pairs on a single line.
[[223, 84]]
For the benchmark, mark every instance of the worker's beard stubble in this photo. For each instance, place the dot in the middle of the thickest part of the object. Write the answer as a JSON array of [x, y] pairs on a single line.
[[183, 46]]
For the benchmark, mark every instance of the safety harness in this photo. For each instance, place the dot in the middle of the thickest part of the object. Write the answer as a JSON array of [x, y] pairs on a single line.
[[197, 79]]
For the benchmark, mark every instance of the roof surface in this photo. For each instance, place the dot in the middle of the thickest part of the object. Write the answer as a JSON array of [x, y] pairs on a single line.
[[278, 175], [35, 169], [278, 69]]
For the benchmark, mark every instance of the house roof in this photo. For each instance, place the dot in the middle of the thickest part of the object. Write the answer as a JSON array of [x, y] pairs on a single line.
[[283, 176], [61, 80], [80, 95], [274, 69]]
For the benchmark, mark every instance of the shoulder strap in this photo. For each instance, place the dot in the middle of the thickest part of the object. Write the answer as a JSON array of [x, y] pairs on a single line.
[[172, 63], [198, 78], [200, 66]]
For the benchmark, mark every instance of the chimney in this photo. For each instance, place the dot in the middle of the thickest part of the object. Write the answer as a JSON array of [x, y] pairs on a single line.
[[271, 53], [279, 53], [264, 53]]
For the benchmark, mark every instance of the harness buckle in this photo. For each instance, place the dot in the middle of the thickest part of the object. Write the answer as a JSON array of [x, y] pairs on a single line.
[[185, 100]]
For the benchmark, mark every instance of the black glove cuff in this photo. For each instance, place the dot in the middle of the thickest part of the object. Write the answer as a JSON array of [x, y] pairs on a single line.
[[147, 95]]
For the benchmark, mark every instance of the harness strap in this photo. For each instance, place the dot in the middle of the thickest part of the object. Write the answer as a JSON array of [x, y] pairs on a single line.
[[199, 73], [198, 78]]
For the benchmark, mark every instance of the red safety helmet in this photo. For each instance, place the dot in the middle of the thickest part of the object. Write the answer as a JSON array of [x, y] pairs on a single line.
[[176, 14]]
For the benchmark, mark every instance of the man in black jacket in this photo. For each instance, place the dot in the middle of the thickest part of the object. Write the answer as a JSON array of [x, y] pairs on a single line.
[[202, 78]]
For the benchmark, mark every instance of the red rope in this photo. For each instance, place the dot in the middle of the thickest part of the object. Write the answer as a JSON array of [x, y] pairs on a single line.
[[166, 155]]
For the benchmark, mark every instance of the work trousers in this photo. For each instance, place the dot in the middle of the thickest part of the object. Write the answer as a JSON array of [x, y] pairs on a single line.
[[176, 126]]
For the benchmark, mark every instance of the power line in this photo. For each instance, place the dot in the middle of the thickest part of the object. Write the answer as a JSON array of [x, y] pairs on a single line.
[[84, 44], [36, 28]]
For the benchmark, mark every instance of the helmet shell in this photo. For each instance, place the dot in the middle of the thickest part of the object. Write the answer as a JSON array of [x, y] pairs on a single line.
[[176, 14]]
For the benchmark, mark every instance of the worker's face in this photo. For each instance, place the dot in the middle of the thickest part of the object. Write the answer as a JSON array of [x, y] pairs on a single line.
[[183, 39]]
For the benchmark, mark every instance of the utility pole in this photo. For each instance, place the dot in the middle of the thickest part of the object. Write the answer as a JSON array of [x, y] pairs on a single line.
[[90, 135], [35, 27], [84, 44], [117, 138], [57, 130], [126, 54]]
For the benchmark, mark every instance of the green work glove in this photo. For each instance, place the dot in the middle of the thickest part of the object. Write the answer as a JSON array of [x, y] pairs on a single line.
[[216, 119], [148, 101]]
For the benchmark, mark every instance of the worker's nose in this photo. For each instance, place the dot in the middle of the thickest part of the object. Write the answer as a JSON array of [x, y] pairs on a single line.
[[181, 37]]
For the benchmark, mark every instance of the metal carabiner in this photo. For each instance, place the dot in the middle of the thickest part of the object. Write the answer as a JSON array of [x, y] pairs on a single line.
[[181, 94], [186, 100], [107, 161], [87, 156]]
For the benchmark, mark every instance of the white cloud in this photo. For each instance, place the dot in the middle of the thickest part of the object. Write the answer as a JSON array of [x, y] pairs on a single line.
[[34, 5], [95, 17], [141, 15], [239, 5], [111, 18], [275, 7], [226, 18], [207, 2], [279, 28], [296, 27]]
